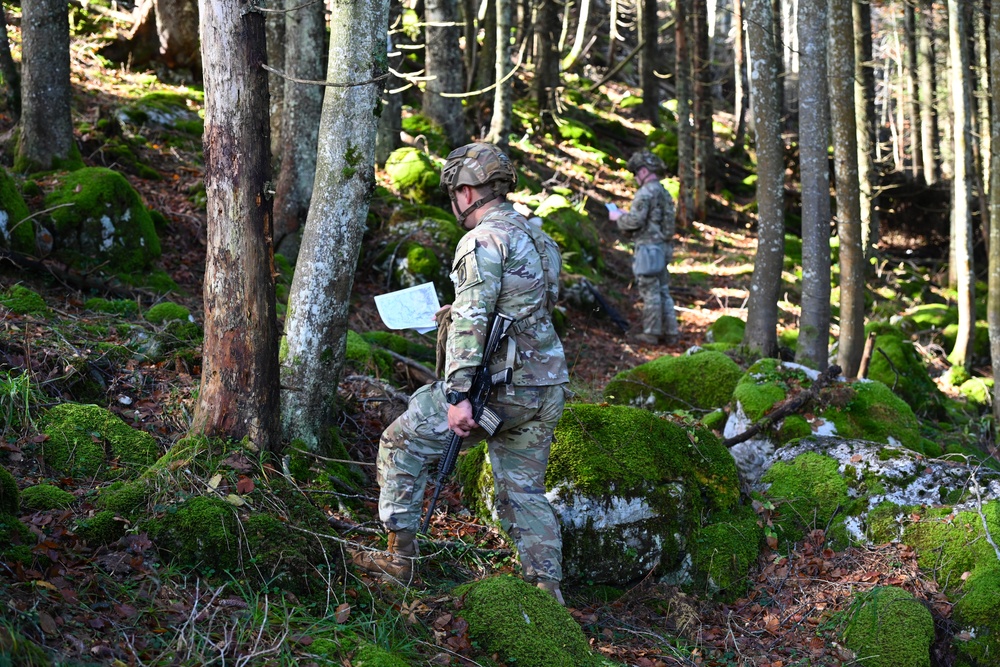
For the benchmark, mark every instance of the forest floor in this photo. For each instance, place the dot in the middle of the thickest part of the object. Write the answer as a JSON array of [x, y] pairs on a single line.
[[120, 605]]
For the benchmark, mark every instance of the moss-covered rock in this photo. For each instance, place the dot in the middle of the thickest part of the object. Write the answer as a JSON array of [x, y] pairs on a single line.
[[165, 109], [20, 299], [629, 489], [9, 495], [950, 543], [367, 654], [166, 311], [103, 527], [99, 219], [870, 411], [124, 307], [16, 233], [977, 613], [16, 540], [417, 125], [888, 627], [808, 493], [365, 358], [723, 552], [978, 390], [726, 329], [84, 439], [896, 363], [699, 382], [401, 345], [524, 625], [412, 173], [45, 497], [420, 242], [571, 228]]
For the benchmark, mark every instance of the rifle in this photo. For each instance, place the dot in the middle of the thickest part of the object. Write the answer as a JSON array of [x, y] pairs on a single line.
[[619, 321], [479, 393]]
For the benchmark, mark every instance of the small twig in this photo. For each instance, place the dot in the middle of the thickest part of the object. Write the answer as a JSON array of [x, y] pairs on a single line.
[[979, 511], [895, 371], [330, 84]]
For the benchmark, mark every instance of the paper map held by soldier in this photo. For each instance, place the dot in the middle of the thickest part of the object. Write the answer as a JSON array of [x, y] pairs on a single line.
[[410, 308]]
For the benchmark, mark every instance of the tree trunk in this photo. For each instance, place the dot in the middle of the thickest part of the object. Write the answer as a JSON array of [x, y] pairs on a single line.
[[305, 35], [762, 306], [502, 94], [961, 240], [993, 303], [486, 69], [647, 61], [739, 79], [177, 27], [926, 76], [578, 41], [274, 33], [239, 381], [685, 136], [443, 61], [864, 103], [916, 155], [547, 60], [318, 305], [9, 71], [704, 147], [46, 134], [840, 67], [814, 138]]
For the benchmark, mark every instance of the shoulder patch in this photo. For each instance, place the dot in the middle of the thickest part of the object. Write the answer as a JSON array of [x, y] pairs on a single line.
[[465, 272]]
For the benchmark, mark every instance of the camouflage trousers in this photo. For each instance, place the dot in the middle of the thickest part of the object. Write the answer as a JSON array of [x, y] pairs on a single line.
[[658, 316], [519, 453]]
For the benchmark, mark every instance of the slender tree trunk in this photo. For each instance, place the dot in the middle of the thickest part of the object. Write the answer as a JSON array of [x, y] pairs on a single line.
[[11, 75], [983, 145], [926, 75], [864, 102], [487, 68], [46, 133], [647, 61], [305, 37], [239, 380], [502, 102], [547, 65], [961, 355], [916, 155], [581, 35], [993, 303], [318, 305], [177, 28], [779, 46], [739, 79], [840, 67], [274, 32], [762, 307], [704, 135], [443, 61], [390, 123], [814, 139], [685, 136]]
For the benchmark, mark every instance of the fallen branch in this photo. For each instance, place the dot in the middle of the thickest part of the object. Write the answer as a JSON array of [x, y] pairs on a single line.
[[787, 407], [348, 527]]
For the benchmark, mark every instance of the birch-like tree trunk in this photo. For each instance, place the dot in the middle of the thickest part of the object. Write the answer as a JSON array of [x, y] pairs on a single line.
[[274, 33], [647, 61], [927, 80], [913, 108], [443, 61], [844, 129], [704, 147], [305, 39], [993, 280], [739, 79], [316, 323], [961, 186], [239, 378], [814, 139], [762, 307], [685, 133], [502, 95], [864, 107], [45, 139]]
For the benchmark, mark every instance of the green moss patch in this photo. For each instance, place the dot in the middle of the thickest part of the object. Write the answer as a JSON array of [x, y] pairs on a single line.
[[420, 242], [870, 411], [949, 544], [124, 307], [889, 627], [571, 228], [166, 311], [727, 329], [420, 125], [412, 173], [896, 363], [9, 496], [978, 613], [84, 439], [45, 497], [702, 381], [808, 493], [20, 299], [722, 553], [16, 233]]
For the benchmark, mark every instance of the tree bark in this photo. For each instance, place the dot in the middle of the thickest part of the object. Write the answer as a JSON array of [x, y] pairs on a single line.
[[704, 147], [177, 28], [926, 75], [864, 103], [739, 80], [547, 60], [46, 132], [685, 136], [11, 75], [305, 35], [762, 306], [502, 95], [993, 301], [443, 61], [647, 61], [318, 305], [274, 33], [840, 68], [239, 382], [814, 138], [961, 186], [916, 155]]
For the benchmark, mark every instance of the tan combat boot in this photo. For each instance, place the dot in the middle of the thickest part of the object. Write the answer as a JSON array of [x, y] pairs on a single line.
[[552, 587], [398, 560]]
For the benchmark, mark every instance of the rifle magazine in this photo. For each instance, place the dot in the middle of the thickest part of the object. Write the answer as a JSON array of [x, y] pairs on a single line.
[[490, 421]]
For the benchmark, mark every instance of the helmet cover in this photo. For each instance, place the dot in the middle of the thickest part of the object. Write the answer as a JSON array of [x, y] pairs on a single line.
[[648, 159], [478, 164]]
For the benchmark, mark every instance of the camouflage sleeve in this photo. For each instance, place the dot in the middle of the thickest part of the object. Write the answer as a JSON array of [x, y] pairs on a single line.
[[669, 218], [476, 273], [638, 214]]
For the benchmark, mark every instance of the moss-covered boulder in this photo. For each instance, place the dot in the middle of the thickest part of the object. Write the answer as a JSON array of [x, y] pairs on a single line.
[[977, 613], [166, 311], [87, 439], [726, 329], [98, 218], [699, 382], [168, 110], [16, 540], [16, 233], [723, 552], [45, 497], [123, 307], [896, 363], [413, 174], [571, 228], [629, 489], [889, 627], [978, 390], [420, 243], [524, 625], [24, 301], [950, 543], [366, 358], [419, 125], [808, 492]]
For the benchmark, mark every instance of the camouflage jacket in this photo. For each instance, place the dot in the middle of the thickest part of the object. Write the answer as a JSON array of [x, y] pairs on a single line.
[[497, 267], [651, 218]]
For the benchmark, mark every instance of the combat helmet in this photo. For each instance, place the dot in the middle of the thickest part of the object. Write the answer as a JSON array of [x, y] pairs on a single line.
[[478, 164], [649, 160]]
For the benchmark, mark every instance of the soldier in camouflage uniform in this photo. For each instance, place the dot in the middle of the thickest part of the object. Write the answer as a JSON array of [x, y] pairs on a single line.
[[650, 222], [503, 264]]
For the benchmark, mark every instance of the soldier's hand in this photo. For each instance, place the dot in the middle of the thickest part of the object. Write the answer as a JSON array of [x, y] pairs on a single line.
[[460, 418]]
